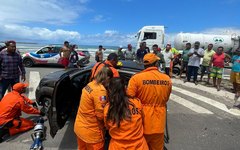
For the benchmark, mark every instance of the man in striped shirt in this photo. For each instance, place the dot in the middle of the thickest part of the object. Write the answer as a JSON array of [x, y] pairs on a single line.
[[11, 67]]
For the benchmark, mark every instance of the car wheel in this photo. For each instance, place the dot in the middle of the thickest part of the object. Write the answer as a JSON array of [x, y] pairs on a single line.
[[28, 62], [45, 104], [176, 71]]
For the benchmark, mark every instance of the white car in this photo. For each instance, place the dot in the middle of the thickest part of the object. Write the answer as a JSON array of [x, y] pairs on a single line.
[[50, 55]]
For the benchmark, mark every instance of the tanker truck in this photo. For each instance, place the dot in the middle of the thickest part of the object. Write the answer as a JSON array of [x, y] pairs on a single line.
[[229, 42], [156, 35]]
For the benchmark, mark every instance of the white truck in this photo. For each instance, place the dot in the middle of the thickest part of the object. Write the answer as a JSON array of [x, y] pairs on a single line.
[[151, 35]]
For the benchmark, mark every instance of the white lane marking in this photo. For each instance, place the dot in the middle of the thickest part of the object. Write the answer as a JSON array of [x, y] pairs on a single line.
[[194, 107], [34, 79], [209, 101], [224, 94]]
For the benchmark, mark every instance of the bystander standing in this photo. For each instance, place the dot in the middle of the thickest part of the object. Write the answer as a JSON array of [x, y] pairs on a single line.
[[184, 60], [120, 53], [217, 63], [129, 53], [73, 58], [11, 67], [157, 51], [235, 75], [208, 53], [141, 52], [65, 54], [168, 57], [195, 54], [99, 54]]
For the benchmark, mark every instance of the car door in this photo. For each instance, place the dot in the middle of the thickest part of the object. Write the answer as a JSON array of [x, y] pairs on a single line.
[[66, 98], [44, 55], [55, 54]]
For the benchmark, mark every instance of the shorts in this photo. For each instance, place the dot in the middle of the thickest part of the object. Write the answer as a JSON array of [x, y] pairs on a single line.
[[65, 62], [205, 69], [184, 65], [216, 72], [235, 77]]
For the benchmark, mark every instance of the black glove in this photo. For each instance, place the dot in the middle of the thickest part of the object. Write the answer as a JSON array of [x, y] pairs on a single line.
[[42, 113], [35, 105]]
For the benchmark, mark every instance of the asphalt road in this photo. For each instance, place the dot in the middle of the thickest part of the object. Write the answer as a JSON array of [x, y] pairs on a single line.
[[199, 118]]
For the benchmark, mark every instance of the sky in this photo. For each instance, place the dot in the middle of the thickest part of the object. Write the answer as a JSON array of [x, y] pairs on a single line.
[[112, 22]]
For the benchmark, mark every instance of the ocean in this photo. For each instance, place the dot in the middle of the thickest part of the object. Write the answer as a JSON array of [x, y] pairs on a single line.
[[32, 47]]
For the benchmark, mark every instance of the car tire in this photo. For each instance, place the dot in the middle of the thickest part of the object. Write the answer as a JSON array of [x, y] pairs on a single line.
[[28, 62], [45, 104], [176, 71]]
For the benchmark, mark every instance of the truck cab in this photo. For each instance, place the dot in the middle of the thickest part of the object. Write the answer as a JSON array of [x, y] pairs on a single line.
[[151, 35]]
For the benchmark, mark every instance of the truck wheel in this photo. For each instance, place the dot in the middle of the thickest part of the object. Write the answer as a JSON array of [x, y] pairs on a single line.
[[28, 62]]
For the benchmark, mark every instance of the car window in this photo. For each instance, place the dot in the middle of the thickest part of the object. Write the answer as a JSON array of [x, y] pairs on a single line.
[[44, 50], [56, 49]]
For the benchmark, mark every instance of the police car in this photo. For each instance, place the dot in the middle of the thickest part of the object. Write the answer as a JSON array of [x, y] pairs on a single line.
[[49, 55], [59, 92]]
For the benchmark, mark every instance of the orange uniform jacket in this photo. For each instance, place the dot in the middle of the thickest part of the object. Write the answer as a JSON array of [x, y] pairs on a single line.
[[130, 133], [89, 124], [99, 67], [153, 89], [13, 104]]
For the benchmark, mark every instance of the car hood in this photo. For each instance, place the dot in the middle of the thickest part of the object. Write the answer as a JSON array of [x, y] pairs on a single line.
[[51, 79]]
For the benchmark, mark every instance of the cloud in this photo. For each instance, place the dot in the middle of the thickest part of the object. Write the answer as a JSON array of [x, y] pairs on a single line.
[[24, 33], [43, 11], [109, 37], [99, 18], [110, 32], [43, 35]]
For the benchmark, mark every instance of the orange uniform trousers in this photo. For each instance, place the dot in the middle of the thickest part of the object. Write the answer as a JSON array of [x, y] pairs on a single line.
[[140, 144], [89, 146], [155, 141], [20, 125]]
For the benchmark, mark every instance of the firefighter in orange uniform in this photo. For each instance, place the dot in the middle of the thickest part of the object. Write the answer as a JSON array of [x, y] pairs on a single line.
[[11, 107], [153, 89], [89, 124], [123, 118], [111, 62]]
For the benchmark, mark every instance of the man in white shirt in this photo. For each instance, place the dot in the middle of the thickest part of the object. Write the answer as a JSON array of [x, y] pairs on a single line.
[[195, 54], [168, 57]]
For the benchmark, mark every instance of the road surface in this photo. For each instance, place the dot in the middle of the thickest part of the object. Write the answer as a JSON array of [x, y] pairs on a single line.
[[199, 118]]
